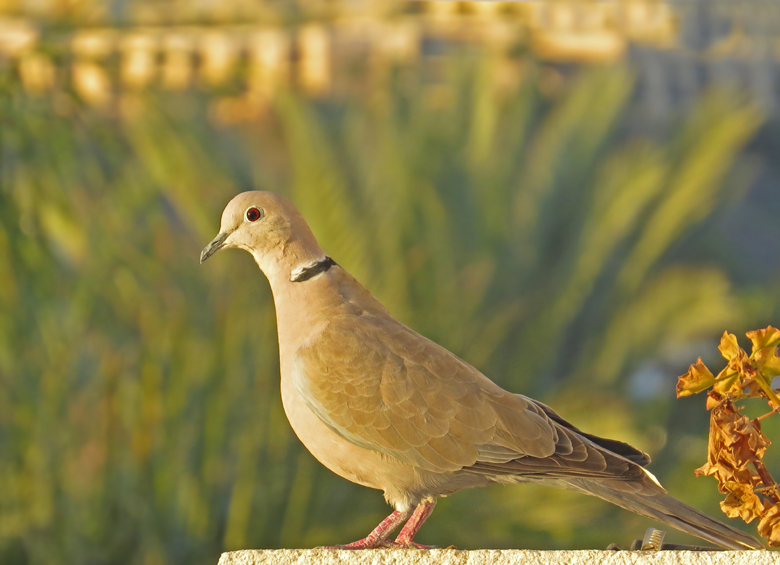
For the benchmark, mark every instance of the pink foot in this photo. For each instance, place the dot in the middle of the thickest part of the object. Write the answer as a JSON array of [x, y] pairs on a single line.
[[377, 538], [421, 513]]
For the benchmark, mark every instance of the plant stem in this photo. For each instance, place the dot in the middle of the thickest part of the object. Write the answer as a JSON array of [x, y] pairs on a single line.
[[770, 486], [766, 415], [773, 398]]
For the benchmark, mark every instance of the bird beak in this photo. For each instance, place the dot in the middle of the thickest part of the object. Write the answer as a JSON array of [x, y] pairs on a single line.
[[216, 244]]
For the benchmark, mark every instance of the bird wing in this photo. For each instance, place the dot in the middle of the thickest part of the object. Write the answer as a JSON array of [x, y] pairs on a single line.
[[384, 387]]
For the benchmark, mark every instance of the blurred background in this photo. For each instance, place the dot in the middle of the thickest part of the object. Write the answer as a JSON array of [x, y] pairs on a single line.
[[576, 197]]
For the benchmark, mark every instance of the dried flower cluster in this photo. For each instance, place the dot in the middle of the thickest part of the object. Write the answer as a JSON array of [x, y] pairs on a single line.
[[736, 444]]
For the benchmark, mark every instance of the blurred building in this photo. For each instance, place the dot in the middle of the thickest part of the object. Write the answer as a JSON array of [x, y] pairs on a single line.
[[102, 49]]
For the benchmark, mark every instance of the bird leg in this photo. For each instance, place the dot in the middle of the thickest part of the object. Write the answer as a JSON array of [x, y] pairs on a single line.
[[378, 537], [410, 529]]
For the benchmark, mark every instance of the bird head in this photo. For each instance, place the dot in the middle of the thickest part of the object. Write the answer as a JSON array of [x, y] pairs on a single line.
[[269, 227]]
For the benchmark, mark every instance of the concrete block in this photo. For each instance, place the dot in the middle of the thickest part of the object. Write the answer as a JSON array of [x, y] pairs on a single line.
[[494, 557]]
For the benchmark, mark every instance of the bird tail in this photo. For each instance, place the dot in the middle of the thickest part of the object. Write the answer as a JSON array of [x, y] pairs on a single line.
[[667, 509]]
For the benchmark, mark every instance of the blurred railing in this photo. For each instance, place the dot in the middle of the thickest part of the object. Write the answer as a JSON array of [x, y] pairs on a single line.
[[677, 48], [99, 62]]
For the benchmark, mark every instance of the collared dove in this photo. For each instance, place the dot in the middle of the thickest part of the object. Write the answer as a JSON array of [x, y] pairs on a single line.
[[384, 407]]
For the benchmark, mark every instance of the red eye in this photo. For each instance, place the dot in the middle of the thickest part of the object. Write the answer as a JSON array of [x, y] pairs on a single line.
[[253, 214]]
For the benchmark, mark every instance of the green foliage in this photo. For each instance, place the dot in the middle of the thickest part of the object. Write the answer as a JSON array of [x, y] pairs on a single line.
[[140, 419]]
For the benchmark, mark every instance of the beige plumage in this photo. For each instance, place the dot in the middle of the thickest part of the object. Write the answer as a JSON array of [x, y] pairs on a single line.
[[384, 407]]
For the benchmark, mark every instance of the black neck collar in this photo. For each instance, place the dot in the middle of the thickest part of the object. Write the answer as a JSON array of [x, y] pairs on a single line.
[[305, 273]]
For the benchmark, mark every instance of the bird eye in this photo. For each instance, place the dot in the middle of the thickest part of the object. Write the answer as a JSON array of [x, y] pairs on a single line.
[[253, 213]]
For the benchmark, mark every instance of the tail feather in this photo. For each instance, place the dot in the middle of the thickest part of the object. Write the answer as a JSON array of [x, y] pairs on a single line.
[[667, 509]]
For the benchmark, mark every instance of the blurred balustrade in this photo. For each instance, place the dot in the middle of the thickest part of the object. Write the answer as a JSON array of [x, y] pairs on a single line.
[[261, 58], [664, 39]]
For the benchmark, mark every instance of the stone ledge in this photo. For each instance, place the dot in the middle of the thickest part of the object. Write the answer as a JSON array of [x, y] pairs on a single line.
[[494, 557]]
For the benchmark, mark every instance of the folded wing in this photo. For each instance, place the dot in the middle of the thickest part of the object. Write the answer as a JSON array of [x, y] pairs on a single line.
[[384, 387], [380, 385]]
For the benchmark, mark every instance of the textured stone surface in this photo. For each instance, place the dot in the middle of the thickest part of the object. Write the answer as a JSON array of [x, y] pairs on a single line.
[[495, 557]]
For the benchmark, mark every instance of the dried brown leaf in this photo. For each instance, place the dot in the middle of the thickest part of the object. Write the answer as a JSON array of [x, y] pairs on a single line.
[[736, 444], [765, 350], [739, 361], [735, 441], [768, 338], [741, 502], [769, 526], [713, 399], [697, 379], [741, 435], [728, 383], [729, 347]]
